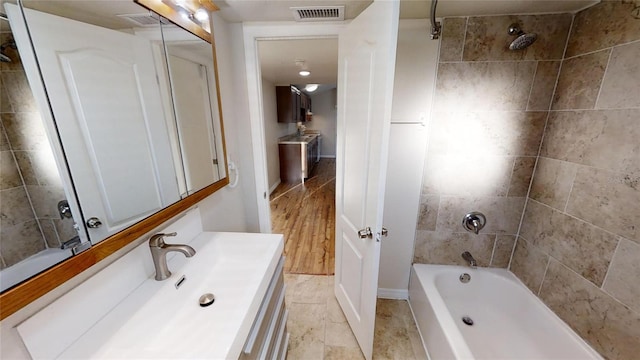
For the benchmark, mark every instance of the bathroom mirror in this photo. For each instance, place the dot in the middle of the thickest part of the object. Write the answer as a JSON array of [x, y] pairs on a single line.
[[126, 137]]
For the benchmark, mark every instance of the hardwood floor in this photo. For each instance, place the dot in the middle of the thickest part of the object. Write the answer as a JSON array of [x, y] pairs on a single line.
[[305, 214]]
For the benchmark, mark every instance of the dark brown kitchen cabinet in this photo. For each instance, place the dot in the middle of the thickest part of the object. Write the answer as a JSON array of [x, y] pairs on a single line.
[[292, 104]]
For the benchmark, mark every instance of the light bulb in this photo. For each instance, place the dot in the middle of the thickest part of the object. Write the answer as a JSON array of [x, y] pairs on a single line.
[[202, 15], [311, 87], [304, 73]]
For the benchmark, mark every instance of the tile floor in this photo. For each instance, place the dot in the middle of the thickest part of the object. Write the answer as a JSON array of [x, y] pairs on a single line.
[[319, 330]]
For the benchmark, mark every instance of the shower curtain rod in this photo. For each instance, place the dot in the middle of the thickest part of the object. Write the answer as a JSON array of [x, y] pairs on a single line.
[[436, 28]]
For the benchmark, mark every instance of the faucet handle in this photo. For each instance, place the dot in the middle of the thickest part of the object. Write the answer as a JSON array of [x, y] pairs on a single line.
[[158, 239]]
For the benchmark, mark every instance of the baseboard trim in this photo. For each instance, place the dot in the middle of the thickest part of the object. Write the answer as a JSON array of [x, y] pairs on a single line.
[[393, 294], [274, 186]]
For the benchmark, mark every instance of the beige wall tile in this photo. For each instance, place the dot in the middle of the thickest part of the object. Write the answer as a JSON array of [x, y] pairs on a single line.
[[611, 328], [582, 247], [488, 37], [428, 214], [601, 26], [49, 233], [484, 86], [450, 175], [579, 81], [26, 240], [4, 142], [529, 264], [504, 133], [553, 181], [606, 199], [45, 200], [25, 131], [15, 207], [521, 176], [620, 84], [5, 104], [20, 95], [606, 139], [9, 174], [503, 213], [64, 229], [452, 41], [625, 269], [26, 167], [502, 251], [543, 85], [438, 247]]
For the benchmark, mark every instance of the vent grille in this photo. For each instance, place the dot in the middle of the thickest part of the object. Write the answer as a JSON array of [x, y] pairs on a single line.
[[318, 13], [145, 19]]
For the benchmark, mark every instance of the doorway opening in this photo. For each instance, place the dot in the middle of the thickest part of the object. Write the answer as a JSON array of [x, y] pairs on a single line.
[[300, 121]]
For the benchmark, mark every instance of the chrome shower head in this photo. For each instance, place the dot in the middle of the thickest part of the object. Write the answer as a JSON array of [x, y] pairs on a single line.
[[4, 58], [523, 39]]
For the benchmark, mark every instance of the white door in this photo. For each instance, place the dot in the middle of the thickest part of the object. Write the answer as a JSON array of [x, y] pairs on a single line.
[[367, 52], [107, 107], [190, 89]]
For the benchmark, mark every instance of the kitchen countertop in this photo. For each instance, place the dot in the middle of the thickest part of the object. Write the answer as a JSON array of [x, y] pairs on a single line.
[[295, 139]]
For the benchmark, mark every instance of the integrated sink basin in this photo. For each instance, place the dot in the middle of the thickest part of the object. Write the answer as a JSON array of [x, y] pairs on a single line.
[[161, 320]]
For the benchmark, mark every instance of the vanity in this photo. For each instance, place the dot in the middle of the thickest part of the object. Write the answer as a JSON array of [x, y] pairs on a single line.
[[123, 312]]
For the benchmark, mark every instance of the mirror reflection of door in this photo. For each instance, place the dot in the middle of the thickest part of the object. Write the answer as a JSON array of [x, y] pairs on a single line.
[[110, 121], [36, 220], [192, 90]]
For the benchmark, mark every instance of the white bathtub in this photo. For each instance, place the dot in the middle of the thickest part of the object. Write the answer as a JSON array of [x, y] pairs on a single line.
[[509, 321], [31, 266]]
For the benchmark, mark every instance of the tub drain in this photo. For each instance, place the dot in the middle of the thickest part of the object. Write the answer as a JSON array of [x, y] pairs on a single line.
[[467, 320]]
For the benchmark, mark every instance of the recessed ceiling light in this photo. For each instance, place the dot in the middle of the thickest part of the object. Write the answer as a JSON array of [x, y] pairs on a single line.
[[311, 87], [304, 73]]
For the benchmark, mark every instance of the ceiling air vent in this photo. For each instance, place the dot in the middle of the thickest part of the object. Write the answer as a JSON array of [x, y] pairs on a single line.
[[144, 19], [318, 13]]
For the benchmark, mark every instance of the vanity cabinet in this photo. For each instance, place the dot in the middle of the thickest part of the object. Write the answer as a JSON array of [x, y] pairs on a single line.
[[268, 337], [293, 104]]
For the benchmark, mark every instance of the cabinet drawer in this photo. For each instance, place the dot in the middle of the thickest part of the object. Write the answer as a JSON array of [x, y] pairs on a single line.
[[259, 337]]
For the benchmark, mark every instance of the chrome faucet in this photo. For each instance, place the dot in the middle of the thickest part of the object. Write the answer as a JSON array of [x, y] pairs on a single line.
[[469, 259], [159, 250]]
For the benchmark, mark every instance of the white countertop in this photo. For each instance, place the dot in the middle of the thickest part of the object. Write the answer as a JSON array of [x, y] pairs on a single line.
[[159, 321]]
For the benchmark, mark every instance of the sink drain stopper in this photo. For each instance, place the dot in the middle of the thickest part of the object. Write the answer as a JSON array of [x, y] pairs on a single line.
[[207, 299], [467, 320]]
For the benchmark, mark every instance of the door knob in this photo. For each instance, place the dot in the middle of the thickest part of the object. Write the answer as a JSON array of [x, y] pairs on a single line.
[[365, 233], [94, 223]]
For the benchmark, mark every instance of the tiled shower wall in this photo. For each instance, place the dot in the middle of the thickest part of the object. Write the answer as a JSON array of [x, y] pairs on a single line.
[[490, 109], [30, 185], [579, 244]]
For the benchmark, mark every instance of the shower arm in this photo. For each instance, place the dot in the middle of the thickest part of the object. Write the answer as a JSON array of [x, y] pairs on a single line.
[[436, 28], [3, 17]]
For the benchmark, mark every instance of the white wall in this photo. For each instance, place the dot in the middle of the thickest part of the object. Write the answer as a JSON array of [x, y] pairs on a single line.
[[233, 209], [416, 63], [325, 118], [272, 131]]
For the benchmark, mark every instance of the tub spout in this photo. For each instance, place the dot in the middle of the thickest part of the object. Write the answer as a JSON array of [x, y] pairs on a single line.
[[469, 259]]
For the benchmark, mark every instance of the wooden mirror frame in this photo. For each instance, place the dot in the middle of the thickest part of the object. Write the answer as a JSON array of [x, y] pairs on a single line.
[[31, 289]]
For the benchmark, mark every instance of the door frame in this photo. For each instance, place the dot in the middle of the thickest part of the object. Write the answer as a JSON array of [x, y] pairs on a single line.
[[252, 33]]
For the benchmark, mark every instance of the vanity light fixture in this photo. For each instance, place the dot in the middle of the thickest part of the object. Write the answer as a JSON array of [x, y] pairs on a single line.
[[192, 15], [311, 87], [304, 73]]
